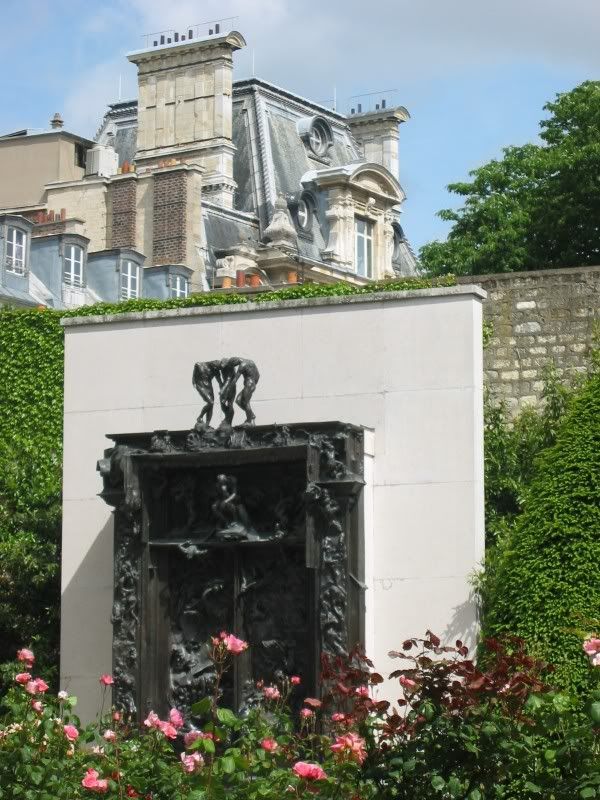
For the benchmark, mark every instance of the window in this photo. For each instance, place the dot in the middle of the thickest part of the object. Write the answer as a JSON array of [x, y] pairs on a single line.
[[73, 272], [179, 286], [316, 134], [16, 242], [363, 247], [130, 280]]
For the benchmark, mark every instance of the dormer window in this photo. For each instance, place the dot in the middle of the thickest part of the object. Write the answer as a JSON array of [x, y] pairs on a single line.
[[16, 247], [73, 269], [316, 134], [130, 280], [303, 215], [179, 286], [363, 247]]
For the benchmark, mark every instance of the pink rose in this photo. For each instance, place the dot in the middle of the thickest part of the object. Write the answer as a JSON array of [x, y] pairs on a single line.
[[109, 736], [295, 680], [407, 683], [269, 745], [26, 656], [176, 718], [234, 645], [592, 646], [350, 746], [362, 691], [596, 660], [306, 713], [23, 678], [42, 686], [152, 720], [36, 686], [310, 772], [91, 781], [313, 702], [71, 732], [116, 716], [271, 693], [191, 762], [62, 696], [106, 680], [37, 705], [168, 730], [338, 717]]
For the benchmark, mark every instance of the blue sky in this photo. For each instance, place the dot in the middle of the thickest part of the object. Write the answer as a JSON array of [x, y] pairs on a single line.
[[474, 74]]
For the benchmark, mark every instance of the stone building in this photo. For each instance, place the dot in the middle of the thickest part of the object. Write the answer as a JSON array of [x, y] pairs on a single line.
[[202, 183]]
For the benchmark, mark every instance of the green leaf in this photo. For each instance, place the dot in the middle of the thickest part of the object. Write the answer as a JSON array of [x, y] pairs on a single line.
[[595, 712], [227, 717], [438, 783], [587, 792], [228, 765], [532, 787], [475, 794], [202, 707]]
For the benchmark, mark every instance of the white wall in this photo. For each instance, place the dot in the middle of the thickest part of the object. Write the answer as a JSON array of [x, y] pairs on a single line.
[[408, 365]]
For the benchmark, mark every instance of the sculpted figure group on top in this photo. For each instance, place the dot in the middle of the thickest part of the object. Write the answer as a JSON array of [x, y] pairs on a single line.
[[226, 372]]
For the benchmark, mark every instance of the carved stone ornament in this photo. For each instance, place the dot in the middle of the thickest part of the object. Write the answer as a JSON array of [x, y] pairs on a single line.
[[281, 232], [253, 529]]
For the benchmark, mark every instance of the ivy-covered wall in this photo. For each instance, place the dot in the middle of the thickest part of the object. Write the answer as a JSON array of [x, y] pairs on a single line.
[[31, 406]]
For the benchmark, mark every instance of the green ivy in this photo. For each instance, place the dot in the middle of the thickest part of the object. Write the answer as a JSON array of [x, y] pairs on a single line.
[[31, 418], [546, 581]]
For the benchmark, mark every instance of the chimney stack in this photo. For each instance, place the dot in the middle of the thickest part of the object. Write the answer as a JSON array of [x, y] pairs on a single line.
[[185, 108], [56, 122]]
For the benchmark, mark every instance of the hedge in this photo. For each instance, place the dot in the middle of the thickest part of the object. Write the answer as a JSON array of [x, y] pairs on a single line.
[[547, 585]]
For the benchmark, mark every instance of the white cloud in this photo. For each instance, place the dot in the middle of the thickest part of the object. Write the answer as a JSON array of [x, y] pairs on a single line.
[[358, 46]]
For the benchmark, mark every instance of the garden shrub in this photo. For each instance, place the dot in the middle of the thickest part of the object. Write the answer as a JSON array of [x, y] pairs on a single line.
[[547, 579], [457, 732]]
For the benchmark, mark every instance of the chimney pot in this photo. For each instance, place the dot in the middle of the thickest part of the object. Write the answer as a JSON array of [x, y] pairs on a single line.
[[57, 121]]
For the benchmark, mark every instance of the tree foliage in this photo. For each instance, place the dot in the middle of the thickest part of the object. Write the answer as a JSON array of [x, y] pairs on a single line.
[[535, 208]]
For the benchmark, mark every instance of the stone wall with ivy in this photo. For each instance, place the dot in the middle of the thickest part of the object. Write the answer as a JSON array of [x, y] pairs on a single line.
[[535, 319]]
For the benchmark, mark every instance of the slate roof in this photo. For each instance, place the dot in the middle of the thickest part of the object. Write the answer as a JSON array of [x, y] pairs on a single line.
[[269, 161]]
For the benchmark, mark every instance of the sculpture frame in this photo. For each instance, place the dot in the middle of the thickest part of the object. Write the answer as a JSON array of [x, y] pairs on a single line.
[[331, 454]]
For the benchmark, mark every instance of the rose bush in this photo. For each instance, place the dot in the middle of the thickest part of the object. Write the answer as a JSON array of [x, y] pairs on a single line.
[[456, 732]]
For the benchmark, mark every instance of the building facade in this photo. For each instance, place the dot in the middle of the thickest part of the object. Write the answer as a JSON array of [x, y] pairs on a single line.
[[203, 183]]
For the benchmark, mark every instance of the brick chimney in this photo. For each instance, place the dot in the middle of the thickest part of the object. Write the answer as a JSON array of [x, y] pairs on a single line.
[[185, 108], [377, 134]]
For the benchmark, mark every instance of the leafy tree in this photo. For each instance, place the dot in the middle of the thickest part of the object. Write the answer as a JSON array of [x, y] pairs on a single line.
[[535, 208]]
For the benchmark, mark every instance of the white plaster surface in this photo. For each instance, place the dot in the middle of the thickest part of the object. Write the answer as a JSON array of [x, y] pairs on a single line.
[[409, 368]]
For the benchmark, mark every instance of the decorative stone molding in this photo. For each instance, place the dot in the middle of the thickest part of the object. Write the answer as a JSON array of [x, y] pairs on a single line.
[[280, 231]]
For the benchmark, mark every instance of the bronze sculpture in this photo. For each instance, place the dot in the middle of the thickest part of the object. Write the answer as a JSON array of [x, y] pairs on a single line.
[[227, 371]]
